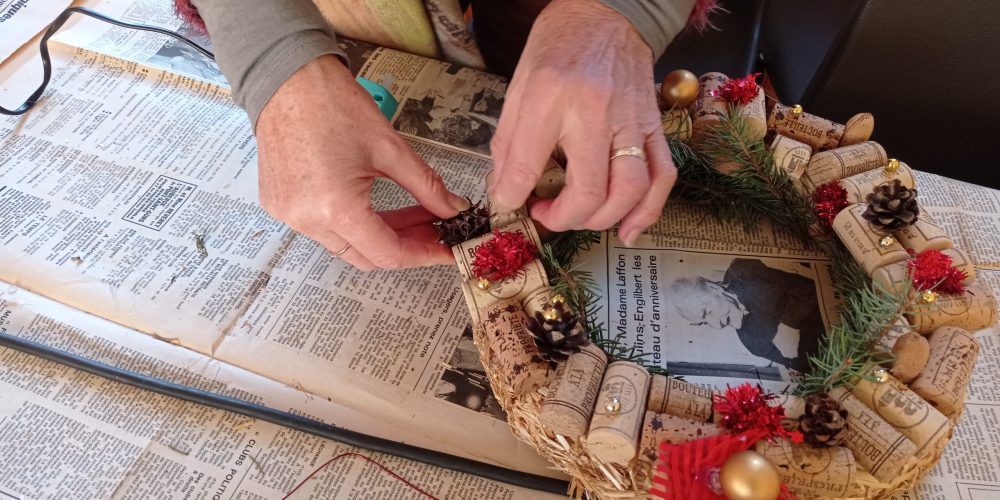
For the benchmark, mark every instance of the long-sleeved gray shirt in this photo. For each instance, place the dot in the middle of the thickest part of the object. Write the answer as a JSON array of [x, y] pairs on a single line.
[[259, 44]]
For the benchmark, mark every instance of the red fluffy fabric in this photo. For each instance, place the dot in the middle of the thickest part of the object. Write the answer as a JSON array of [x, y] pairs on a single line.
[[189, 14], [700, 18], [701, 15]]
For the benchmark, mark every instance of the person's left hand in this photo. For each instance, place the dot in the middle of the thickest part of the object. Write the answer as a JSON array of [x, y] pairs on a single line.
[[584, 82]]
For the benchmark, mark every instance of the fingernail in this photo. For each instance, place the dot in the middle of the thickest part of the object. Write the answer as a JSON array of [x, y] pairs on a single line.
[[458, 203], [629, 236]]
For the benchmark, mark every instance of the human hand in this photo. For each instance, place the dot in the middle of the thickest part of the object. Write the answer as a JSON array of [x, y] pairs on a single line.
[[321, 143], [584, 82]]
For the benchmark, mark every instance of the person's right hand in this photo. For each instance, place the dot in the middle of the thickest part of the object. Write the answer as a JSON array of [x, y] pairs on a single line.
[[321, 143]]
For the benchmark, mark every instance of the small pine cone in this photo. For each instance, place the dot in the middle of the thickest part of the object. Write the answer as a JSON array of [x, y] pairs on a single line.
[[892, 206], [557, 338], [468, 224], [824, 422]]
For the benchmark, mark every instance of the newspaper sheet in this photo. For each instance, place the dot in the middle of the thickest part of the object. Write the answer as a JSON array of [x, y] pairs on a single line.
[[69, 434], [720, 306], [133, 197], [21, 20]]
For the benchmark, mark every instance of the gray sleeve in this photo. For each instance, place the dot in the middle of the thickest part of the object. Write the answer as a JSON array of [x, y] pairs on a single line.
[[259, 44], [658, 21]]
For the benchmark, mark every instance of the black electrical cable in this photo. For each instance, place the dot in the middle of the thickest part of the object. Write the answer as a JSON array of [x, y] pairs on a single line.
[[285, 419], [43, 49]]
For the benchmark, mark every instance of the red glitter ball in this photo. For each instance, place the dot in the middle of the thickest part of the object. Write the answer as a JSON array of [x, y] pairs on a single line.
[[828, 200], [740, 90], [932, 270], [503, 256], [746, 407]]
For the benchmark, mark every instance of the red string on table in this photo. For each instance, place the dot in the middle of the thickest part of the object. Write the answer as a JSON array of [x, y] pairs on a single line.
[[370, 460]]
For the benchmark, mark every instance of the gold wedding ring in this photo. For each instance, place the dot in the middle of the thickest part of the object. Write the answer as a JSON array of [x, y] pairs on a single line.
[[342, 251], [630, 151]]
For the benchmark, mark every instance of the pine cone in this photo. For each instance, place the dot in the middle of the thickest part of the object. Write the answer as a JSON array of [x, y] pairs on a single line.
[[824, 422], [892, 206], [468, 224], [557, 338]]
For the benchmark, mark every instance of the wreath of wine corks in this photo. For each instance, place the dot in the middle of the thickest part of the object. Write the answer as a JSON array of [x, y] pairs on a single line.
[[608, 424]]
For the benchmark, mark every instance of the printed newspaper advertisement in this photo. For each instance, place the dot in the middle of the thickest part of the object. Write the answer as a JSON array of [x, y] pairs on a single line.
[[129, 193]]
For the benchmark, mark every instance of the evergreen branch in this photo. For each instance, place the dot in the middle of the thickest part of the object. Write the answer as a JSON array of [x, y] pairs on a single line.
[[579, 289]]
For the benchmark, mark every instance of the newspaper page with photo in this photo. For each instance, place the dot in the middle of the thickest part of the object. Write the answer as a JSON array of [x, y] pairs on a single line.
[[718, 305], [102, 439], [133, 194]]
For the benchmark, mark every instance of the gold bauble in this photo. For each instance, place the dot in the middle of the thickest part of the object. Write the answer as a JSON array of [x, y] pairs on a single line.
[[680, 88], [928, 297], [797, 109], [886, 241], [557, 299], [748, 475], [550, 313], [483, 284], [892, 166]]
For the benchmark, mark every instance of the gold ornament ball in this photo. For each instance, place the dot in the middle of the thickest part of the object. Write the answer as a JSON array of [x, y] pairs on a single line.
[[928, 297], [797, 109], [892, 166], [680, 88], [881, 375], [886, 241], [748, 475], [557, 299], [550, 313], [613, 404], [483, 284]]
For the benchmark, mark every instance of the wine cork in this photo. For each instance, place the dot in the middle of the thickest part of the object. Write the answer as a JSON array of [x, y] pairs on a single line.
[[513, 346], [570, 403], [906, 411], [893, 278], [910, 354], [887, 341], [537, 300], [866, 243], [465, 252], [923, 235], [707, 109], [877, 445], [676, 124], [944, 379], [756, 117], [795, 407], [614, 429], [843, 162], [807, 471], [662, 427], [677, 397], [859, 186], [791, 156], [962, 261], [971, 310], [551, 182], [858, 129], [819, 133], [520, 287]]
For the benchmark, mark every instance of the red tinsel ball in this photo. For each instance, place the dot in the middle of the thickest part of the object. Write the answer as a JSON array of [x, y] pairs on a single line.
[[503, 256], [740, 90], [828, 200], [932, 270], [746, 407]]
